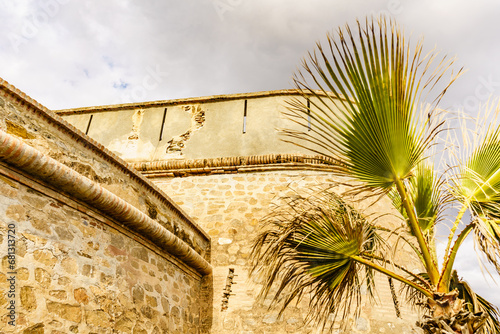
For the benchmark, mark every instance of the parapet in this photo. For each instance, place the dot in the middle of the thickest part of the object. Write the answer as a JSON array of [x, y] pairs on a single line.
[[238, 125]]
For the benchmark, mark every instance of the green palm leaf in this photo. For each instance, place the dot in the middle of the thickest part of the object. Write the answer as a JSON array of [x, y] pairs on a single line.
[[310, 250], [427, 198], [477, 186], [322, 247], [480, 178], [359, 108], [425, 192], [487, 236], [365, 112]]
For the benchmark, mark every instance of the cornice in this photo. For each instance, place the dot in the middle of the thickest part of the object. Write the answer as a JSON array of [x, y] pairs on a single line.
[[174, 102], [15, 95], [31, 161], [231, 165]]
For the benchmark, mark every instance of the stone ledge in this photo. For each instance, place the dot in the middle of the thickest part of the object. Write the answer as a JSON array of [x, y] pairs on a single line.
[[175, 102], [16, 153], [232, 165], [167, 103]]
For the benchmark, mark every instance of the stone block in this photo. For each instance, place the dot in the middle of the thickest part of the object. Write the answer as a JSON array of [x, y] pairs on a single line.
[[137, 294], [98, 318], [69, 265], [81, 296], [151, 301], [16, 212], [65, 311], [36, 329], [42, 276], [64, 233], [28, 298], [59, 294], [45, 257]]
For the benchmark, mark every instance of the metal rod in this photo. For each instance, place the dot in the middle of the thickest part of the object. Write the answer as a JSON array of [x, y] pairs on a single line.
[[88, 125], [308, 115], [163, 123], [245, 118]]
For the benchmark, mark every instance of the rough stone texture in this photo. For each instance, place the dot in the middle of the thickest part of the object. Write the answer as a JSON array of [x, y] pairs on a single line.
[[21, 117], [230, 207], [77, 268], [112, 295]]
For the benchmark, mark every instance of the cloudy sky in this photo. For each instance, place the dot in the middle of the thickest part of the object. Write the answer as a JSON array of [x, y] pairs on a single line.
[[72, 53]]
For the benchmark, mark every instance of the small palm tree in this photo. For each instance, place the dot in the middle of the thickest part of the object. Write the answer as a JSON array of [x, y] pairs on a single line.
[[363, 94]]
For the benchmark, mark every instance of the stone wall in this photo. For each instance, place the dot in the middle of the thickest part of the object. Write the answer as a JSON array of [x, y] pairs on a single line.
[[89, 245], [24, 118], [79, 272], [229, 207]]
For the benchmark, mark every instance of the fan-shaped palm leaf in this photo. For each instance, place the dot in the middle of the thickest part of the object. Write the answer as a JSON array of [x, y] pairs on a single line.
[[360, 109], [424, 190], [323, 248], [478, 188], [480, 178], [365, 114]]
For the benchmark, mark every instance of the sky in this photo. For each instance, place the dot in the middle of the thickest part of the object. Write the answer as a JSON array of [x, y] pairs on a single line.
[[75, 53]]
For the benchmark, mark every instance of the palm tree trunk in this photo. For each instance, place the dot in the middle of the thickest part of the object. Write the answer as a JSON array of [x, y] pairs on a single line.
[[450, 316]]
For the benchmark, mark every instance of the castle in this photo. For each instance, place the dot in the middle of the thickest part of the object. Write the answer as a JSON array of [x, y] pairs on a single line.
[[139, 218]]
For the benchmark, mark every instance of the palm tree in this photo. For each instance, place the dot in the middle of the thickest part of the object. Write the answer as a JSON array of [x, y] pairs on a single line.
[[364, 95]]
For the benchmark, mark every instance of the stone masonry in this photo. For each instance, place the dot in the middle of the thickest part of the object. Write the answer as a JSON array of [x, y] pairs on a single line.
[[97, 247], [229, 207], [81, 273]]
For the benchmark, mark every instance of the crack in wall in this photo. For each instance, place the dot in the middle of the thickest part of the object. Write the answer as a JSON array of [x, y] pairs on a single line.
[[129, 145], [177, 143], [137, 118]]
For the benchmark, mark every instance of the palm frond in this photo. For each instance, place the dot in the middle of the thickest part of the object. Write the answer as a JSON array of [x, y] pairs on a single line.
[[322, 247], [426, 193], [402, 236], [487, 237], [365, 112], [415, 298], [481, 178], [308, 248], [478, 183], [428, 199]]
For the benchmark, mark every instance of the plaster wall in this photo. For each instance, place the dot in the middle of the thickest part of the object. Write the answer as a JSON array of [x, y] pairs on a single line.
[[190, 129]]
